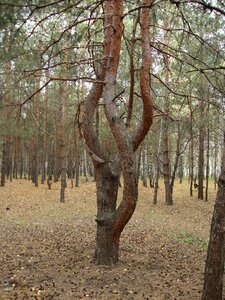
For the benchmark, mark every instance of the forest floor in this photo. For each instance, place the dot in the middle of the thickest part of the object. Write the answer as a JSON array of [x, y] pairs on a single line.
[[46, 247]]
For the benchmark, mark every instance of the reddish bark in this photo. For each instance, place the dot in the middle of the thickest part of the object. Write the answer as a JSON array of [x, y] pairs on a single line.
[[111, 221]]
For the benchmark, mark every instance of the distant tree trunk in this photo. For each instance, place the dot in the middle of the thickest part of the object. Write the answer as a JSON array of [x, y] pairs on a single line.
[[215, 161], [214, 268], [21, 163], [144, 167], [180, 167], [157, 162], [156, 186], [201, 141], [207, 167], [85, 169], [50, 169], [56, 171], [62, 142], [175, 167], [35, 167], [191, 155], [16, 148], [77, 160], [166, 162], [165, 134], [10, 160], [44, 150], [5, 144]]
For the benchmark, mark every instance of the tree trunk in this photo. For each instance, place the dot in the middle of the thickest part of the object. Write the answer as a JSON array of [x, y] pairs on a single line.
[[35, 171], [176, 160], [107, 184], [111, 220], [215, 161], [156, 186], [202, 93], [207, 168], [191, 157], [213, 282], [157, 163], [144, 167], [5, 146], [181, 172], [3, 164], [44, 150], [62, 142], [165, 134]]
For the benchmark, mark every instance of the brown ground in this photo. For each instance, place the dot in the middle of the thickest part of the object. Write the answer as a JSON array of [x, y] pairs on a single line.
[[46, 247]]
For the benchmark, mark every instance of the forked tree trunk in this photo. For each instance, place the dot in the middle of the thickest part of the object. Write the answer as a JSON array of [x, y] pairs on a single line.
[[111, 220]]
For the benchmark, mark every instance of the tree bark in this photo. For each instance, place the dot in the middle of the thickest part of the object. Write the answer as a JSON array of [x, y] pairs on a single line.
[[207, 167], [5, 146], [165, 135], [62, 142], [201, 141], [111, 220], [107, 184], [44, 150], [214, 269], [191, 154]]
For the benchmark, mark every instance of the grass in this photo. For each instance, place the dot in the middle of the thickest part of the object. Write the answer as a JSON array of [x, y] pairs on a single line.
[[191, 239]]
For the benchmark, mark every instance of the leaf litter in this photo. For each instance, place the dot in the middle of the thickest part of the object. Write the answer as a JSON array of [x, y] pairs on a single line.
[[47, 247]]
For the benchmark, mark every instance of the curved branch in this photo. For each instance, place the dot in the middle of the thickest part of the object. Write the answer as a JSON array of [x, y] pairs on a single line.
[[147, 115]]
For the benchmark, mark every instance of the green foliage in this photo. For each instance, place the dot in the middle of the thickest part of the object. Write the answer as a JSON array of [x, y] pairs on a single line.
[[191, 239]]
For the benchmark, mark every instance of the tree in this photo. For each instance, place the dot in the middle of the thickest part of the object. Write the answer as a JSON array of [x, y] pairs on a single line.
[[214, 268], [111, 220]]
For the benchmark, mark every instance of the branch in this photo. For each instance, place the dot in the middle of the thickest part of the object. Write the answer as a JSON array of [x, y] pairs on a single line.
[[147, 115]]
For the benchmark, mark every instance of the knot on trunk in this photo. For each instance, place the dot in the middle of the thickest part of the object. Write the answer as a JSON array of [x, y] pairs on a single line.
[[105, 220], [221, 181]]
